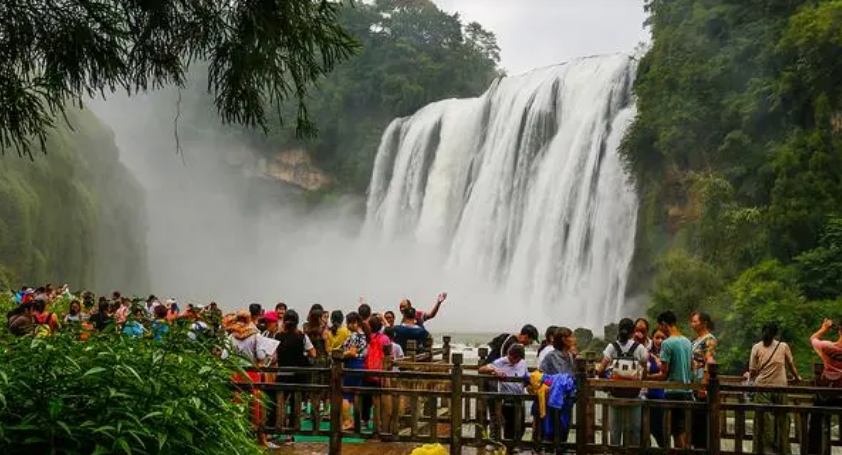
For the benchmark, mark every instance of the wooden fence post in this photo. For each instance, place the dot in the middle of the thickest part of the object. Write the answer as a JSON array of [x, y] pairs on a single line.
[[582, 412], [428, 348], [335, 445], [482, 410], [445, 348], [411, 349], [714, 402], [456, 405]]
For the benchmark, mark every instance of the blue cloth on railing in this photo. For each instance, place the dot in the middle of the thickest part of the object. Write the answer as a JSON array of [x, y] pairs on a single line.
[[562, 389]]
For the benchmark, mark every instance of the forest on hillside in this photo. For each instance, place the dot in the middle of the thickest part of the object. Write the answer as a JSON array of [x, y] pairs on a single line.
[[737, 155], [75, 215], [411, 54]]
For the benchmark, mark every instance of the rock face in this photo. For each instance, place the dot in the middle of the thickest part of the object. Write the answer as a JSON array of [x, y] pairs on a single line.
[[295, 167]]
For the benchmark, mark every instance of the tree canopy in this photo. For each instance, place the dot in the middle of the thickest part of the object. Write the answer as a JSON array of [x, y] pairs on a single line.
[[260, 53], [412, 54]]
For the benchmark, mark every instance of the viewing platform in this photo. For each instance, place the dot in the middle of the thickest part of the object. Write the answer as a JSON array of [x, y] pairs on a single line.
[[433, 397]]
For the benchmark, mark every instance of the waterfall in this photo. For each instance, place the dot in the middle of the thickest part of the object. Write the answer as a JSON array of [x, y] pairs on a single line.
[[522, 187]]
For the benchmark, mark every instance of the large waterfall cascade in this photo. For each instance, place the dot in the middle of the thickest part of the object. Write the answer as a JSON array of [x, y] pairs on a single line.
[[522, 187]]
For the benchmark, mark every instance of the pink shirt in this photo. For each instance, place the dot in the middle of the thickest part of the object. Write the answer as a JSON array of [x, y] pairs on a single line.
[[831, 355]]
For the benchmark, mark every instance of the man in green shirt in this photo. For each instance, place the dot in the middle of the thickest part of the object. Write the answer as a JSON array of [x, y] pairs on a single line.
[[676, 356]]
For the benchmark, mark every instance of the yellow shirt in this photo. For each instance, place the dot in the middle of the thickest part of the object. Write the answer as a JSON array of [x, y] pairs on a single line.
[[336, 341]]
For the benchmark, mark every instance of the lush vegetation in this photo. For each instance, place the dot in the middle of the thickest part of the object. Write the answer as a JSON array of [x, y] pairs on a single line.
[[412, 54], [260, 53], [115, 394], [74, 217], [736, 154]]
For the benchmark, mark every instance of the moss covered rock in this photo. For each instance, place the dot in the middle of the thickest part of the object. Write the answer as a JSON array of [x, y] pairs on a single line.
[[73, 214]]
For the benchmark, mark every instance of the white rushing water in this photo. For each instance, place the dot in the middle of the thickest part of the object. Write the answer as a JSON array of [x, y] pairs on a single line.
[[521, 187]]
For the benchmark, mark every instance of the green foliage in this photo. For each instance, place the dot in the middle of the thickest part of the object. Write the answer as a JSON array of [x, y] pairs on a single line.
[[65, 219], [684, 284], [765, 293], [412, 54], [261, 53], [114, 394], [820, 269], [736, 149]]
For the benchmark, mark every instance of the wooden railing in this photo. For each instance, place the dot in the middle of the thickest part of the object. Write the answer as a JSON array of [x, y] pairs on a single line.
[[434, 397]]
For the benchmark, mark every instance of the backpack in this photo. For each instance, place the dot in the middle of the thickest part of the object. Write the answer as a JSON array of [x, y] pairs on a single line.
[[497, 347], [625, 367], [44, 326]]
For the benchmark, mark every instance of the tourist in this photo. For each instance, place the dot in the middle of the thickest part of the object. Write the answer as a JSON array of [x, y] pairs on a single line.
[[294, 350], [270, 318], [767, 367], [676, 366], [561, 359], [134, 324], [389, 316], [46, 323], [354, 353], [75, 315], [409, 329], [160, 325], [830, 353], [364, 310], [500, 344], [397, 350], [512, 365], [88, 301], [546, 345], [255, 312], [704, 353], [243, 336], [103, 316], [20, 319], [319, 336], [422, 317], [641, 333], [629, 361], [374, 359], [337, 333], [656, 413], [281, 309], [123, 310]]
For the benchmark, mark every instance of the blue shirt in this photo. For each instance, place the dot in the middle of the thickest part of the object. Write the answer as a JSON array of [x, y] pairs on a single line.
[[404, 333]]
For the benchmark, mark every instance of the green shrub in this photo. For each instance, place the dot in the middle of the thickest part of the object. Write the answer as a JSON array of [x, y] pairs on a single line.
[[113, 394]]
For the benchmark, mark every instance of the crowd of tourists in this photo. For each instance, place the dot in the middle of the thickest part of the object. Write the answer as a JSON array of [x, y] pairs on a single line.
[[276, 337], [281, 337], [664, 353]]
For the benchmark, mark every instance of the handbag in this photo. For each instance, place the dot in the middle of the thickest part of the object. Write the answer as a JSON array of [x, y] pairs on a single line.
[[747, 396]]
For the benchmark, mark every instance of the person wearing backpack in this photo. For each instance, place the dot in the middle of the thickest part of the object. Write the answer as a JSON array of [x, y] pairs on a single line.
[[625, 360], [45, 322]]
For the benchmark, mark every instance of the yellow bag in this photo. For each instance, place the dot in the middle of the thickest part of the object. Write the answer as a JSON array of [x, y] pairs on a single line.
[[430, 449]]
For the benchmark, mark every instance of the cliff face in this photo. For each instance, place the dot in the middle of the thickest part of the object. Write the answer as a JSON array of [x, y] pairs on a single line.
[[296, 168], [291, 167], [73, 215]]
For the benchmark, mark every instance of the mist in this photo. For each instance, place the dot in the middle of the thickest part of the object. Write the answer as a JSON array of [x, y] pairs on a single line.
[[217, 233]]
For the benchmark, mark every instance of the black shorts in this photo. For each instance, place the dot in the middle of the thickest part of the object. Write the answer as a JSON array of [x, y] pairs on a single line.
[[678, 420]]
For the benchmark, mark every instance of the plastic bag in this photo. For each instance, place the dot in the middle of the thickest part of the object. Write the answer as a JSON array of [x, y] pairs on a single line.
[[430, 449]]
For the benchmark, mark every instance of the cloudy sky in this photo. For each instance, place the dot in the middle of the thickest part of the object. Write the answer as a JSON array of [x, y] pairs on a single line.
[[535, 33]]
